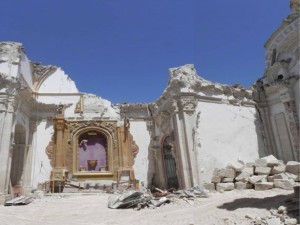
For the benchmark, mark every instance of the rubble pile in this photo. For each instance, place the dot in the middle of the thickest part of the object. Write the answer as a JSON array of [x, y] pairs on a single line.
[[144, 198], [263, 174], [278, 216]]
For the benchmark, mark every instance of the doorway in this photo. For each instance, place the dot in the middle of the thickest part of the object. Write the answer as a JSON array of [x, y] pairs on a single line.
[[169, 165]]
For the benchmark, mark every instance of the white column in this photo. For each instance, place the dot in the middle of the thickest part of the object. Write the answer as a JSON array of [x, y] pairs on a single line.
[[7, 116]]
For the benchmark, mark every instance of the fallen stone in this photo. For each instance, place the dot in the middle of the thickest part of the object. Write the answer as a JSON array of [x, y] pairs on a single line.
[[281, 209], [262, 170], [250, 164], [278, 169], [227, 180], [229, 173], [39, 194], [225, 186], [269, 160], [263, 186], [273, 221], [255, 179], [277, 176], [284, 184], [216, 179], [237, 166], [243, 177], [293, 167], [249, 170], [291, 176], [290, 221], [242, 185], [210, 187]]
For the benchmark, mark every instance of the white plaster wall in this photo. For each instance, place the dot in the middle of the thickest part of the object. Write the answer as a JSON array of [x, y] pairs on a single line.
[[225, 134], [9, 69], [141, 135], [69, 100], [58, 82], [25, 70], [41, 165]]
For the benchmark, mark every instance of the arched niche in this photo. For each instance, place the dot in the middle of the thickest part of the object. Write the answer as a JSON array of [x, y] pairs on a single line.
[[92, 152]]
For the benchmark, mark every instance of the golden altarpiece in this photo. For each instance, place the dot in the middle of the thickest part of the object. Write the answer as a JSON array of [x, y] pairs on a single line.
[[97, 149]]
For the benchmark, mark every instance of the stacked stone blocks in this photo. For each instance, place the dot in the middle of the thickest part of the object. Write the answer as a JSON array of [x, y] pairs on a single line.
[[266, 173]]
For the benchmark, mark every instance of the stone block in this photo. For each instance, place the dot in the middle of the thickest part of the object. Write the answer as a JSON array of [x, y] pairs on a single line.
[[256, 179], [237, 166], [277, 176], [210, 187], [227, 180], [242, 185], [284, 184], [243, 177], [267, 161], [293, 167], [273, 221], [227, 172], [291, 176], [263, 186], [290, 221], [262, 170], [250, 164], [225, 186], [278, 169], [297, 192], [249, 170], [39, 194], [216, 179]]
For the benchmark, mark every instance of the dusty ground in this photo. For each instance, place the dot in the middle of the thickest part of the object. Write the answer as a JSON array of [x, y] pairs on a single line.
[[220, 208]]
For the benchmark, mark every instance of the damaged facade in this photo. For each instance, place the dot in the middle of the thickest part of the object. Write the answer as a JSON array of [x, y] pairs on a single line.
[[51, 132]]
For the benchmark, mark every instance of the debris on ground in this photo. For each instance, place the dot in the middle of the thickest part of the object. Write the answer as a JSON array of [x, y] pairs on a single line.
[[142, 199], [21, 200]]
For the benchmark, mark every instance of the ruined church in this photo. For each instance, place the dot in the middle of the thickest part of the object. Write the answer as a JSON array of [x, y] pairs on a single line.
[[50, 132]]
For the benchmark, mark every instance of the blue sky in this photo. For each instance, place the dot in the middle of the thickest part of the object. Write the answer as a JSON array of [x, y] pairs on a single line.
[[122, 50]]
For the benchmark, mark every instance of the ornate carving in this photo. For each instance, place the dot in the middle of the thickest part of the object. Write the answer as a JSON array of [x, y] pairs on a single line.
[[188, 104], [50, 151], [74, 126], [79, 106], [135, 149]]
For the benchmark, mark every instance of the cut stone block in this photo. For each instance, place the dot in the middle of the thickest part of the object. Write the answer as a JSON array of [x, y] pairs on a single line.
[[263, 186], [227, 180], [225, 186], [291, 176], [267, 161], [243, 177], [249, 170], [255, 179], [278, 169], [290, 221], [273, 221], [242, 185], [277, 176], [262, 170], [237, 166], [216, 179], [229, 173], [284, 184], [250, 164], [293, 167], [210, 187]]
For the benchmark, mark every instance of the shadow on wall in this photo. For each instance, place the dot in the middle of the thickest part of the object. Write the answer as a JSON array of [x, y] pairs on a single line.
[[262, 149]]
